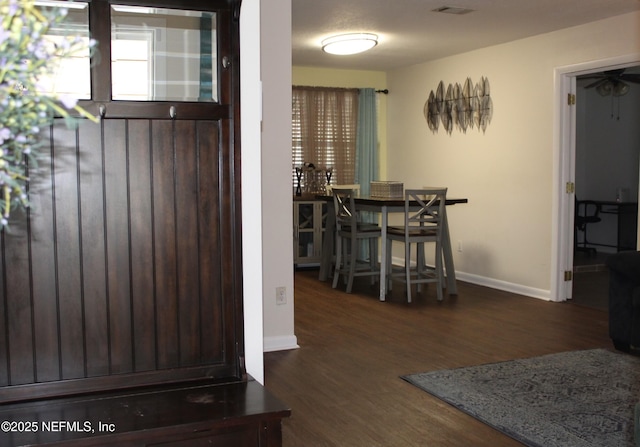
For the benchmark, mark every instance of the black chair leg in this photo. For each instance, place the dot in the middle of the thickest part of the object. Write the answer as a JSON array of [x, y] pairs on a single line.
[[582, 246]]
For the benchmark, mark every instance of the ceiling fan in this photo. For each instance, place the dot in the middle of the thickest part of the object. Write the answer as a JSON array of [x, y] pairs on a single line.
[[613, 82]]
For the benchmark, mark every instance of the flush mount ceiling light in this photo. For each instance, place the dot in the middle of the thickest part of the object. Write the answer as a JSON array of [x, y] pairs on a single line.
[[353, 43]]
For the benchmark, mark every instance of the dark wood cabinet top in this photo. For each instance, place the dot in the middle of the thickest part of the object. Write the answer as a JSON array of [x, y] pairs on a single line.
[[131, 415]]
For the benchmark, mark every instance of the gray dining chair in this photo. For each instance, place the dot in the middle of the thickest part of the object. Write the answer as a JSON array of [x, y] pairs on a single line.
[[349, 232], [423, 223]]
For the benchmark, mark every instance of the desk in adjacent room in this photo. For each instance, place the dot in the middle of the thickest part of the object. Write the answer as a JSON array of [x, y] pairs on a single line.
[[626, 214], [384, 206]]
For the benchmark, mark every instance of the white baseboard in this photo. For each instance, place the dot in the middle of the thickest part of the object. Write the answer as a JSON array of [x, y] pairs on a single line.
[[280, 343], [504, 285], [496, 284]]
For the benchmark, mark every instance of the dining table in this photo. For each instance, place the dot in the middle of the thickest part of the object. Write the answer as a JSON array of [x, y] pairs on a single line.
[[384, 206]]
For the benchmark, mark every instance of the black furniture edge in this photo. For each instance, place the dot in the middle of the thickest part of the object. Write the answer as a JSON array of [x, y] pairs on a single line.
[[624, 300]]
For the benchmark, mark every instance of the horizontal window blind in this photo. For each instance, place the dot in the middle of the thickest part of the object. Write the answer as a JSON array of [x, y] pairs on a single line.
[[324, 128]]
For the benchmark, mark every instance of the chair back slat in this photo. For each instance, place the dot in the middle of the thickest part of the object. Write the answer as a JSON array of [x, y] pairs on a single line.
[[344, 205], [431, 202]]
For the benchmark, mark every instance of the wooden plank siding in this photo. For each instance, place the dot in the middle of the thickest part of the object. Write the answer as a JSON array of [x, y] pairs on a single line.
[[120, 267]]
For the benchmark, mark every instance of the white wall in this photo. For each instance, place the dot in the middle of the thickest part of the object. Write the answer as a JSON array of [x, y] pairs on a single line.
[[506, 229], [277, 199], [250, 107], [266, 184]]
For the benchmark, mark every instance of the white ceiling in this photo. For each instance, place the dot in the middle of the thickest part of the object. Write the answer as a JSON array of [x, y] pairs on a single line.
[[410, 32]]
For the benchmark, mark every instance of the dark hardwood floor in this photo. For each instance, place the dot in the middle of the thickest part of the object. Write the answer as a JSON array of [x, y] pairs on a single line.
[[343, 384]]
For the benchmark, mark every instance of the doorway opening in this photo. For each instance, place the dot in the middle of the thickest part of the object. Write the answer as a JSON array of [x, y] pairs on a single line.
[[606, 176], [599, 158]]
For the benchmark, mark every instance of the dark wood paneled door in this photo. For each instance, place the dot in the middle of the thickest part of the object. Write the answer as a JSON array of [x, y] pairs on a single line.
[[126, 271]]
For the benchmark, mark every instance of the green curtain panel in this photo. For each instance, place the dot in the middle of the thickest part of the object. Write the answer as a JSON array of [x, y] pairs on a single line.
[[367, 164]]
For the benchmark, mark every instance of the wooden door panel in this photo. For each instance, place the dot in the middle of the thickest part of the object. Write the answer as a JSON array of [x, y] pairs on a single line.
[[165, 261], [117, 205], [209, 235], [126, 269], [141, 261], [93, 250], [67, 249], [186, 188], [43, 267], [18, 310]]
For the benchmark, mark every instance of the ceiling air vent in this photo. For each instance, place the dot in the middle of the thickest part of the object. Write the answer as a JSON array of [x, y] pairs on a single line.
[[453, 10]]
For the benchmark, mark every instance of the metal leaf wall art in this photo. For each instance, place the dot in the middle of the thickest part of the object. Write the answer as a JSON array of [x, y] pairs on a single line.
[[463, 107]]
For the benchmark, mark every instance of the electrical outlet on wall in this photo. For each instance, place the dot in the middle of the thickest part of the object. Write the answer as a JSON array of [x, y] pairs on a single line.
[[281, 295]]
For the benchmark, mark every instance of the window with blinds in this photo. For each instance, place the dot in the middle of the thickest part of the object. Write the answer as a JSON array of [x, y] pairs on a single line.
[[324, 128]]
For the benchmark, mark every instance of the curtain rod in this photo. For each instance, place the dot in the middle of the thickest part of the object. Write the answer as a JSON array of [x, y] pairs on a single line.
[[385, 91]]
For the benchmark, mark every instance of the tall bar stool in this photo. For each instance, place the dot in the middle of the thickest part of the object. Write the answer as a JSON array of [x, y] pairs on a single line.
[[349, 232], [420, 226]]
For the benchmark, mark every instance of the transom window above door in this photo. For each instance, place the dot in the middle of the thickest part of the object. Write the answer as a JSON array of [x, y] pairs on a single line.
[[163, 54], [157, 54]]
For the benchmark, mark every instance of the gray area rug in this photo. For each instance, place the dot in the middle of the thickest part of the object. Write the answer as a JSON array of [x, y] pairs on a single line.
[[571, 399]]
